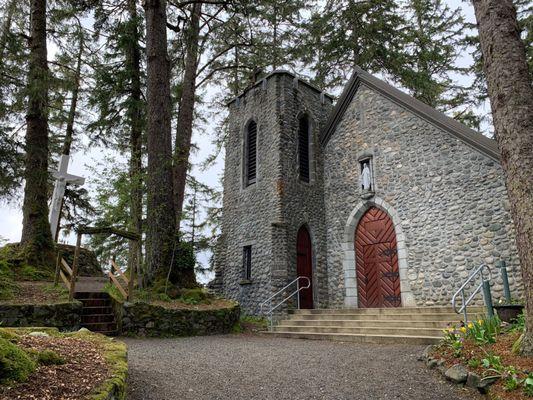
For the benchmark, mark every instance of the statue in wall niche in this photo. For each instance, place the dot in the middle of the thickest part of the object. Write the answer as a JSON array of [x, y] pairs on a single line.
[[366, 177]]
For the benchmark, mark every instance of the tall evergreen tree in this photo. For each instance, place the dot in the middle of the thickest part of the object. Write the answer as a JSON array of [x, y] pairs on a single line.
[[161, 217], [36, 235], [434, 39], [346, 33], [118, 99], [511, 98]]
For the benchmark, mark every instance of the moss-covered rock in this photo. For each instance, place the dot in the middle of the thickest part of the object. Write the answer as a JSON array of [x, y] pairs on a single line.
[[88, 264], [49, 357], [15, 364]]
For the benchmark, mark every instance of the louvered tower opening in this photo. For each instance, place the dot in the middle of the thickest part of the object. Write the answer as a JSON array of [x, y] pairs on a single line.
[[303, 148], [251, 153]]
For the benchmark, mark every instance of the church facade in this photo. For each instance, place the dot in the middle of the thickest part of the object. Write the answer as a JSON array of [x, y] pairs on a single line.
[[380, 200]]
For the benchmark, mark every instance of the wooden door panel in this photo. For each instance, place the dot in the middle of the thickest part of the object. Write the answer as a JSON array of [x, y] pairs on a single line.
[[304, 266], [378, 280]]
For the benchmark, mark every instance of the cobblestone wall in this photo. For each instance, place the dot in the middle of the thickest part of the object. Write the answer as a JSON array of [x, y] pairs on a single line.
[[449, 198]]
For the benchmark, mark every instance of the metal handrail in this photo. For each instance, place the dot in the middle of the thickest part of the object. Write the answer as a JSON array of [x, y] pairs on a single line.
[[298, 289], [484, 282]]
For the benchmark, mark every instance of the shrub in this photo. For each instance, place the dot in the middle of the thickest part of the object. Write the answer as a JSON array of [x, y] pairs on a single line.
[[15, 364]]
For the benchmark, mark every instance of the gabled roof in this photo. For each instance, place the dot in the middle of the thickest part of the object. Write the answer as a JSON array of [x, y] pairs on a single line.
[[467, 135]]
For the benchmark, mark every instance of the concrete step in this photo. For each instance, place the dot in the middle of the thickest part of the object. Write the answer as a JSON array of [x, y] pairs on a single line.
[[358, 338], [387, 311], [404, 331], [366, 323], [446, 317]]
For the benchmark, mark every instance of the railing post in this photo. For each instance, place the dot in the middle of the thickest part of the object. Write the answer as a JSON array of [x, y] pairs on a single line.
[[488, 298], [505, 279], [75, 268], [298, 292], [58, 268], [464, 306]]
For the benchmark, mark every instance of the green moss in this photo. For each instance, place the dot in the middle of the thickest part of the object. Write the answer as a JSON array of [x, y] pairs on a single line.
[[49, 357], [115, 354], [30, 273], [195, 296], [25, 330], [15, 364], [6, 334], [113, 291], [58, 290], [16, 263]]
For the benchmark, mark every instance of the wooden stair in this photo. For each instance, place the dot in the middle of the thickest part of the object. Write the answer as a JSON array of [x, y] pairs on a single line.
[[408, 325], [97, 313]]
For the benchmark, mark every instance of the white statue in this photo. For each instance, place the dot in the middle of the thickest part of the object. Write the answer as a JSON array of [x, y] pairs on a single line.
[[365, 177]]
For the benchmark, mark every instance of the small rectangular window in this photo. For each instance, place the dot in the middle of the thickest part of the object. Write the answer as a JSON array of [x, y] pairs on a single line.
[[247, 262]]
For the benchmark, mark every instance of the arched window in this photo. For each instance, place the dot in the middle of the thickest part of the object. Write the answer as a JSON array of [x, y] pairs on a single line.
[[250, 154], [303, 148]]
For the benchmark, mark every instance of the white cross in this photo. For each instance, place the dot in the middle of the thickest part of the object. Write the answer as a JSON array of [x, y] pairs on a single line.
[[62, 178]]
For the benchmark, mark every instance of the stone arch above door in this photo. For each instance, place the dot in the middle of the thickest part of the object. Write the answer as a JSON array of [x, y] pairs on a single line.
[[349, 267]]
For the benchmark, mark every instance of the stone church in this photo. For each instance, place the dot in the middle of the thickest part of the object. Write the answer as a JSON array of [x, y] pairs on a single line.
[[379, 199]]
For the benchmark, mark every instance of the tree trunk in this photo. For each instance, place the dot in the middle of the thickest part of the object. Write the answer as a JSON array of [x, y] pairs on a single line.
[[186, 112], [161, 218], [135, 116], [184, 128], [36, 235], [511, 98]]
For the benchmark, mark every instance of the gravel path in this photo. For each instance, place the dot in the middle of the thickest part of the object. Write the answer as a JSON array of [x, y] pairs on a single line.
[[257, 367]]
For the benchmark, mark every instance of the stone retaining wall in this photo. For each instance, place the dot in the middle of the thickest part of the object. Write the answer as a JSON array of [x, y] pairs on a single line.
[[64, 316], [152, 320]]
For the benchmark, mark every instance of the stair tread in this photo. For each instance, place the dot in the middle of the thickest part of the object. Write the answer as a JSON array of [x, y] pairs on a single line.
[[357, 327], [98, 315], [354, 334], [350, 320]]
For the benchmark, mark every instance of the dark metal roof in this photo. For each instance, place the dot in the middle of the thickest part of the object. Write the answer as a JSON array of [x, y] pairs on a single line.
[[467, 135], [280, 72]]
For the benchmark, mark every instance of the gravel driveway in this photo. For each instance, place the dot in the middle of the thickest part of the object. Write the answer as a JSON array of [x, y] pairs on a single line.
[[257, 367]]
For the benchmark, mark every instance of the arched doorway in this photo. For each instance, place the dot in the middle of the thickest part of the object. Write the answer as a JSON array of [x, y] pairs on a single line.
[[304, 266], [378, 278]]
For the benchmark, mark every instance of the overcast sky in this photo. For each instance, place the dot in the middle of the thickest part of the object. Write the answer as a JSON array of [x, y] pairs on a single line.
[[11, 215]]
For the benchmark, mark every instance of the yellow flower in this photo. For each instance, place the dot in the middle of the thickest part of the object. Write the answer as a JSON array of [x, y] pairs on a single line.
[[463, 329], [470, 325], [480, 321]]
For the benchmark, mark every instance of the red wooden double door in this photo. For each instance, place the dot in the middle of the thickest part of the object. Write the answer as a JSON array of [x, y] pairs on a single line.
[[377, 273]]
